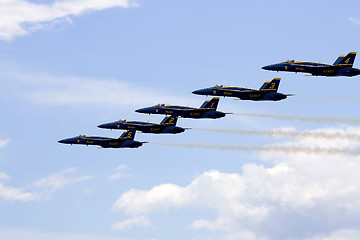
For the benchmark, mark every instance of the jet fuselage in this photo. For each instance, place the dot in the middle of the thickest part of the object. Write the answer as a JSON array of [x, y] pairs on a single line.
[[241, 93], [185, 112], [104, 142], [143, 127], [317, 69]]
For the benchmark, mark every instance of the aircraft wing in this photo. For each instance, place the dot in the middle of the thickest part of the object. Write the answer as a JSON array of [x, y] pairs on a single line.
[[205, 109], [108, 140], [189, 109], [142, 125], [315, 66], [183, 109]]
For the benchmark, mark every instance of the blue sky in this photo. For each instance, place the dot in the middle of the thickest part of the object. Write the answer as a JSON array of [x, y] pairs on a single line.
[[68, 66]]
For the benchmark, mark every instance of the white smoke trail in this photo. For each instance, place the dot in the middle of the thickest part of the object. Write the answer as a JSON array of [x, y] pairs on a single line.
[[320, 119], [335, 98], [289, 133], [274, 148]]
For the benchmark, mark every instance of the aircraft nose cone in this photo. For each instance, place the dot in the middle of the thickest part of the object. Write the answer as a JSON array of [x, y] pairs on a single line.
[[274, 67], [63, 141], [105, 125], [68, 141], [202, 92], [197, 92], [268, 67], [143, 110]]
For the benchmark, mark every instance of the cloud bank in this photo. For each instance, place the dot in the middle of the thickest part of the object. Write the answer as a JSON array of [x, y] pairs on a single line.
[[63, 91], [4, 142], [46, 186], [59, 180], [30, 234], [17, 194], [141, 221], [21, 17], [355, 21], [300, 196]]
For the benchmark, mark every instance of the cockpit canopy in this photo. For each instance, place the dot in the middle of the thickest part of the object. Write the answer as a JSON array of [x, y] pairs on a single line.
[[82, 136], [121, 121], [160, 105], [290, 61], [218, 86]]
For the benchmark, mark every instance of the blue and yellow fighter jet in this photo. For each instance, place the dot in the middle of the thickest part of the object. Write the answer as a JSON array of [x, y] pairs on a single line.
[[126, 140], [207, 110], [341, 67], [267, 92], [167, 125]]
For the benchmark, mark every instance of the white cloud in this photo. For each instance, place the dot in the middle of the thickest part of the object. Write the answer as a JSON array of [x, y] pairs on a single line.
[[4, 176], [141, 221], [121, 167], [4, 142], [29, 234], [344, 234], [50, 90], [294, 198], [59, 180], [355, 21], [119, 174], [134, 202], [21, 17], [16, 194], [48, 186]]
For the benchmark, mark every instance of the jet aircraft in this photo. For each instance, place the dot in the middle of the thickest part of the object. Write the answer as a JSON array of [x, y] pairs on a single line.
[[268, 91], [343, 66], [167, 125], [126, 140], [207, 110]]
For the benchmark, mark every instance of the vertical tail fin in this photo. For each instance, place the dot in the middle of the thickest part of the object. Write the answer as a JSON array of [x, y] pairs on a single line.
[[170, 120], [213, 103], [130, 134], [348, 60], [338, 60], [271, 86]]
